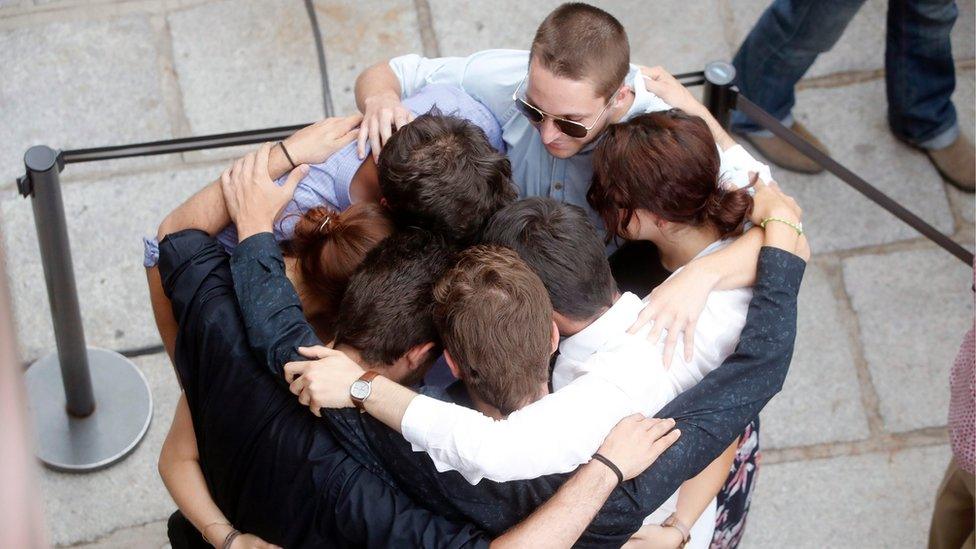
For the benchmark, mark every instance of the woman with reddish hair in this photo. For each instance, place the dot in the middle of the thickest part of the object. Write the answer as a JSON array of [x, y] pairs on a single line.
[[660, 177]]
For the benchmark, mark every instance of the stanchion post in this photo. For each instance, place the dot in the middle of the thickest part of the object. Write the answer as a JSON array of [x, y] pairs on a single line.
[[719, 95], [44, 187], [90, 407]]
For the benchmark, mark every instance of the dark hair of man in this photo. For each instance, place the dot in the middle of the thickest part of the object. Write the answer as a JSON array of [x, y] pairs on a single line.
[[667, 163], [579, 41], [387, 307], [495, 319], [440, 173], [560, 244]]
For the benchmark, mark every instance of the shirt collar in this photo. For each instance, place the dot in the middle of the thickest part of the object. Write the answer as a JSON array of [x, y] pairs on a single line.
[[581, 345]]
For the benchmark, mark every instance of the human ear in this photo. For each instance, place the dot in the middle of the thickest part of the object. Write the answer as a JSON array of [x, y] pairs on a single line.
[[417, 354], [455, 371]]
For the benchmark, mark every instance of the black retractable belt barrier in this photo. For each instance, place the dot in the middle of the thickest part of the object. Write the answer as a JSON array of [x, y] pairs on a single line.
[[770, 122], [721, 96]]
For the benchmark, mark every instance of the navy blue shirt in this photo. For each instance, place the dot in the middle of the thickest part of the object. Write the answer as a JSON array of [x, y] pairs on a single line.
[[272, 468], [710, 415]]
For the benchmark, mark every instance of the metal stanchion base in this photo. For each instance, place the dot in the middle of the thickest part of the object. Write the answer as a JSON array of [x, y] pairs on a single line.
[[123, 409]]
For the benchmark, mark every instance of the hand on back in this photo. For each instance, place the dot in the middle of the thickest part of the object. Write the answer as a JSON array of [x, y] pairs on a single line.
[[637, 441], [384, 113], [324, 380], [662, 84], [253, 200], [315, 143]]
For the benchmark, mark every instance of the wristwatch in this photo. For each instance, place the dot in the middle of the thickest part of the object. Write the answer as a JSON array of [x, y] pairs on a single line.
[[675, 523], [360, 389]]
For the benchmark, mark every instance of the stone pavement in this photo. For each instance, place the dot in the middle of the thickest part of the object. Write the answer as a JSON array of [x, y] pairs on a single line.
[[856, 442]]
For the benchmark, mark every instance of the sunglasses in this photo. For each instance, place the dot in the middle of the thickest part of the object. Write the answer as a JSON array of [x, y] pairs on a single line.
[[537, 115]]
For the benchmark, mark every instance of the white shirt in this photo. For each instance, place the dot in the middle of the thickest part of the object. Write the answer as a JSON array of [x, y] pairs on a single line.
[[602, 375]]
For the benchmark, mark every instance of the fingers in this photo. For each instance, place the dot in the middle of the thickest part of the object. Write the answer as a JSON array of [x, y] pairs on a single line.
[[400, 118], [237, 170], [225, 181], [295, 369], [657, 327], [348, 137], [318, 351], [294, 177], [660, 445], [386, 125], [247, 168], [374, 138], [261, 159], [669, 344], [305, 397], [296, 387], [316, 409], [643, 318], [346, 124], [361, 141], [657, 427]]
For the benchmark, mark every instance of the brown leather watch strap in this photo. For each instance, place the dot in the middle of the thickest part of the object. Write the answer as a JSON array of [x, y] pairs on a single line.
[[368, 378]]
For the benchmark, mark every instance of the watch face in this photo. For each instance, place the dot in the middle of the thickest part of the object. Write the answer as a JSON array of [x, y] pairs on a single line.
[[360, 389]]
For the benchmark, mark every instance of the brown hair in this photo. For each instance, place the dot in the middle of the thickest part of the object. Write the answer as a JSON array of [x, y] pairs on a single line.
[[439, 173], [666, 163], [494, 317], [580, 41], [328, 247]]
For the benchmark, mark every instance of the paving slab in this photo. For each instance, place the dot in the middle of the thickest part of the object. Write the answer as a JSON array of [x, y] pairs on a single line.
[[360, 33], [151, 535], [820, 401], [106, 220], [659, 32], [76, 84], [244, 65], [964, 100], [851, 122], [913, 308], [870, 500], [86, 507], [964, 31]]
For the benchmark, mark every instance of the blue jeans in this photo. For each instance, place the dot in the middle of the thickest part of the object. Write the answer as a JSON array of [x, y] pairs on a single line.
[[919, 72]]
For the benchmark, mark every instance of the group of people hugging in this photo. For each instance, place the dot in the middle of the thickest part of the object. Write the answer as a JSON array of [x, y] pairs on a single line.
[[527, 298]]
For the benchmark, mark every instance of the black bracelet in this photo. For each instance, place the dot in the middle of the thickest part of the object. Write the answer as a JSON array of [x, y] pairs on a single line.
[[616, 470], [288, 156]]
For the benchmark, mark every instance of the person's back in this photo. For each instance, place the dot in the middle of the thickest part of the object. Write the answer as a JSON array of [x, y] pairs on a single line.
[[271, 467]]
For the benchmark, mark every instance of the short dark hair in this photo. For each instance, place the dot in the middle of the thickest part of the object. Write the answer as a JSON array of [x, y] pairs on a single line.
[[440, 173], [580, 41], [496, 322], [560, 244], [387, 307]]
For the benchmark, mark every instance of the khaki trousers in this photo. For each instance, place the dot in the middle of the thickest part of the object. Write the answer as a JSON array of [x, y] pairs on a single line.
[[955, 506]]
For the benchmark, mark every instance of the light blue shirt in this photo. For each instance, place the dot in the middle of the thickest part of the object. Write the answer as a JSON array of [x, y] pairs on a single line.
[[327, 184], [491, 77]]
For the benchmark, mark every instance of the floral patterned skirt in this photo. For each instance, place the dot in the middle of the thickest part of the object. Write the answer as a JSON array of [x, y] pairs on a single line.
[[734, 498]]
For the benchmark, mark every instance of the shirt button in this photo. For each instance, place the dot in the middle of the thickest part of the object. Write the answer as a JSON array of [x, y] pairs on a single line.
[[557, 185]]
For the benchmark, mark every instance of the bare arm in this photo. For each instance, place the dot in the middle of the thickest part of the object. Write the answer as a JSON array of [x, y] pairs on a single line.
[[179, 467], [378, 97], [376, 80], [562, 519], [697, 492]]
